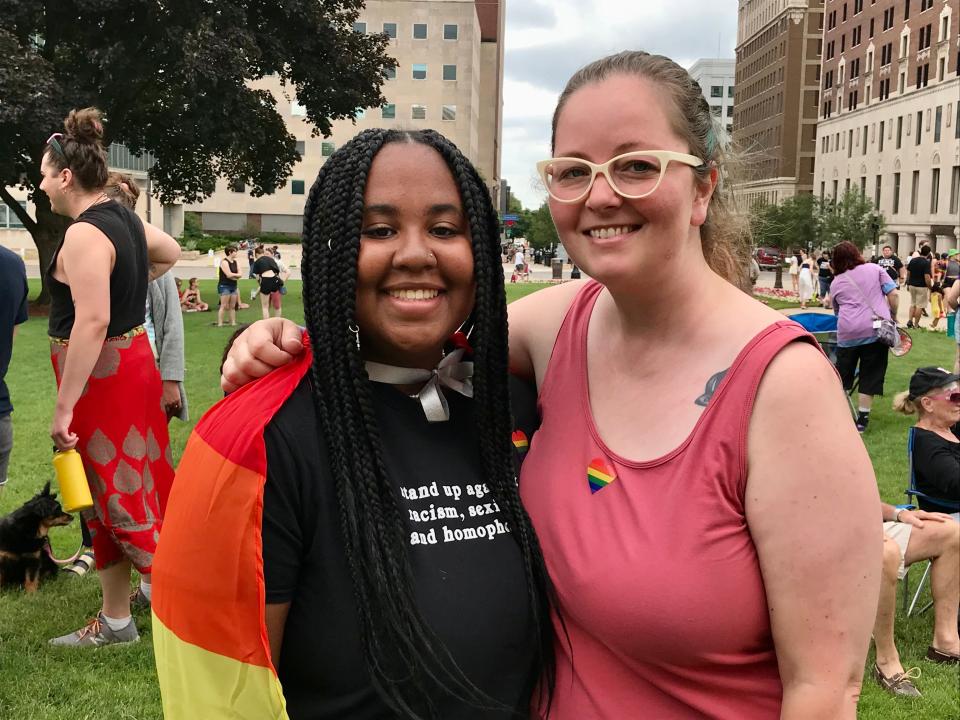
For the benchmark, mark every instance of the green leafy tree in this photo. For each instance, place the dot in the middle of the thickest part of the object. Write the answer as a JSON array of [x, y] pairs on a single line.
[[852, 217], [174, 80], [541, 233], [791, 224]]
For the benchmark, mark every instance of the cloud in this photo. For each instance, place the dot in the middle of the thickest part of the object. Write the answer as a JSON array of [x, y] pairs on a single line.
[[546, 45]]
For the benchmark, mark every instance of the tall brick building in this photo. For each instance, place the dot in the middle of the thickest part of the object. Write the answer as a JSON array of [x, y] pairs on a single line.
[[777, 96], [890, 115]]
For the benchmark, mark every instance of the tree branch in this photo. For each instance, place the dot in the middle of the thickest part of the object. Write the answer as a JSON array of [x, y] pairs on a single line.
[[19, 210]]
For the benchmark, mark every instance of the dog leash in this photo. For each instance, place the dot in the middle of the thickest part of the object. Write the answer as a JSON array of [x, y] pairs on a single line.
[[68, 560]]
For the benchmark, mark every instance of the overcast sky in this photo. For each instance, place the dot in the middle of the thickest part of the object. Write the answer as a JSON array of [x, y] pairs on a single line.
[[547, 40]]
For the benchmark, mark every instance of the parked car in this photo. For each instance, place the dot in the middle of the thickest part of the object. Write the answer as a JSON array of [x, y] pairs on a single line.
[[768, 257]]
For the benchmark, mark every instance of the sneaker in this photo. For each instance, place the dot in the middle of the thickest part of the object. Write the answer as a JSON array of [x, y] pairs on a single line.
[[139, 601], [862, 424], [910, 323], [97, 633], [253, 294], [82, 565]]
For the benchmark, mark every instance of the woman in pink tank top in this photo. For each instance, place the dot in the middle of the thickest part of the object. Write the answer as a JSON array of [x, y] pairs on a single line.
[[704, 565]]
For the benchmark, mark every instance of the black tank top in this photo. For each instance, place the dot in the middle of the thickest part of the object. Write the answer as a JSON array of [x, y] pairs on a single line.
[[223, 279], [128, 280]]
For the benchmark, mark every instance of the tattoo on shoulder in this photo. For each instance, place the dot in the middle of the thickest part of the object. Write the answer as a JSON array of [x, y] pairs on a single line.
[[712, 384]]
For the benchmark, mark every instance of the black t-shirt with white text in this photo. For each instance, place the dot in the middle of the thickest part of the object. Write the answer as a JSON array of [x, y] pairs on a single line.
[[825, 272], [916, 269], [469, 581], [892, 265]]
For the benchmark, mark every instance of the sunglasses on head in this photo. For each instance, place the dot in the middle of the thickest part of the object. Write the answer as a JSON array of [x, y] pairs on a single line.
[[54, 142]]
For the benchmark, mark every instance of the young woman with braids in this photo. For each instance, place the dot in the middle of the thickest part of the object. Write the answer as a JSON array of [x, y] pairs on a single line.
[[402, 577], [109, 390], [676, 472]]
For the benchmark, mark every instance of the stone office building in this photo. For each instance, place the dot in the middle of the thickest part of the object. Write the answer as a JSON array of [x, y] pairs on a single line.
[[890, 115]]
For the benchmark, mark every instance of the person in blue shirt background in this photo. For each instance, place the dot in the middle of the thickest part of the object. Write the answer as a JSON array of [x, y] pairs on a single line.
[[13, 311]]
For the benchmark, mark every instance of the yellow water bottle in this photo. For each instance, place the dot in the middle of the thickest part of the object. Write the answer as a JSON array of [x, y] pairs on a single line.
[[74, 490]]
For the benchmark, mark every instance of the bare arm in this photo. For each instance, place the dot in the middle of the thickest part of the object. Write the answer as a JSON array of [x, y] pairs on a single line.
[[162, 250], [88, 258], [952, 295], [225, 267], [822, 579], [275, 618], [893, 300]]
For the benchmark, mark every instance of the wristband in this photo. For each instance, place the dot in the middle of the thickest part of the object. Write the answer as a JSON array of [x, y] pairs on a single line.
[[896, 517]]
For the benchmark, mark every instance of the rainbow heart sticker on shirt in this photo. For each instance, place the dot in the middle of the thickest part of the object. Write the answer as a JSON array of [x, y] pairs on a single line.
[[599, 475], [520, 441]]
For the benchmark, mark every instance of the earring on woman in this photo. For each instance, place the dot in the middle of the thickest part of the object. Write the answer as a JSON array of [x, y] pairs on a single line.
[[356, 332]]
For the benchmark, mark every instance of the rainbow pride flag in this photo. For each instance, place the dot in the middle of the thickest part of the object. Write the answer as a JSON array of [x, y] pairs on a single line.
[[520, 441], [209, 637], [599, 475]]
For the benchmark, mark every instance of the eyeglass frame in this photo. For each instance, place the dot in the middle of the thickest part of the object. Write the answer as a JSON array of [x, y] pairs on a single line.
[[951, 396], [664, 156], [54, 142]]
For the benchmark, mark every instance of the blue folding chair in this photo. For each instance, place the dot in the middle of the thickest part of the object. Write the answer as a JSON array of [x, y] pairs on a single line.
[[823, 327], [914, 496]]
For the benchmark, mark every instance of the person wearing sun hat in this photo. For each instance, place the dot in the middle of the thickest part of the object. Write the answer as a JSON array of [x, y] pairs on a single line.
[[953, 268]]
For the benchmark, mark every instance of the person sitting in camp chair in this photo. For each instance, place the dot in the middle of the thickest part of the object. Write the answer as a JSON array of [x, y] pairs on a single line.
[[910, 536]]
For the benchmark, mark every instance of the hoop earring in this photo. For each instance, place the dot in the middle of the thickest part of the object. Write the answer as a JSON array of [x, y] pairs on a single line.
[[356, 333]]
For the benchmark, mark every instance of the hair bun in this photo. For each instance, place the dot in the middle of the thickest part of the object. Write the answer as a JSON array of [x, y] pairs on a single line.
[[85, 126]]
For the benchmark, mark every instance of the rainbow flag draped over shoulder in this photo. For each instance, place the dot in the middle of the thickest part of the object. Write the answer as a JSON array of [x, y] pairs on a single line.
[[209, 636]]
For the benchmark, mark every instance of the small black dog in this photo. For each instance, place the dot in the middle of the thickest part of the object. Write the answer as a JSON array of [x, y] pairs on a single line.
[[23, 541]]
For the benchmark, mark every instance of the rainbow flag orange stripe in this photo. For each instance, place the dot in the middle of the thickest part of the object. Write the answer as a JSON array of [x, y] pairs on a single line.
[[599, 475], [210, 640], [520, 441]]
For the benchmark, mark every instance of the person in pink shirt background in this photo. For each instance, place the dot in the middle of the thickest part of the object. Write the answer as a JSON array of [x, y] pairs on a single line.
[[676, 471]]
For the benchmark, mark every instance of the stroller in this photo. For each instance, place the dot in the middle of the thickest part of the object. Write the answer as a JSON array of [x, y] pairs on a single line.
[[823, 327]]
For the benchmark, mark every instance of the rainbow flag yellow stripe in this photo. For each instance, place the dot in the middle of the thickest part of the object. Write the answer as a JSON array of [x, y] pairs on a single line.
[[520, 441], [210, 641]]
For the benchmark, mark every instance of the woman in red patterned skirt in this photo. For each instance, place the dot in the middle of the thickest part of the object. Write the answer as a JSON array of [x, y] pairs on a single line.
[[108, 402]]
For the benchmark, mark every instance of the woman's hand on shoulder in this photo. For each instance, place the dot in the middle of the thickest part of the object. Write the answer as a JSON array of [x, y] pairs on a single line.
[[813, 511], [261, 348], [535, 320]]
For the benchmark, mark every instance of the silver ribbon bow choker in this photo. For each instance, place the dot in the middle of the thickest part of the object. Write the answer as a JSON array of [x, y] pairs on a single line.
[[452, 372]]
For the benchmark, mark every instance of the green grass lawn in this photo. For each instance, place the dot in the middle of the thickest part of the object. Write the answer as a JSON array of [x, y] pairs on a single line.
[[42, 683]]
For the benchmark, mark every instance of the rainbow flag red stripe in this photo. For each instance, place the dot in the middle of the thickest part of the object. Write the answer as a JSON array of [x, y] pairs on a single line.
[[210, 640], [599, 475], [520, 441]]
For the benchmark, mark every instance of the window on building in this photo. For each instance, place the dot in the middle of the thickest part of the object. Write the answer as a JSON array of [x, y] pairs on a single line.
[[919, 134], [942, 71], [419, 31], [388, 111], [955, 190], [360, 27], [902, 82], [296, 187], [449, 72], [843, 42], [904, 45], [449, 112], [855, 36], [834, 196], [925, 36], [297, 110], [823, 190], [390, 30], [896, 193], [914, 192], [880, 141], [864, 139], [301, 148], [863, 187], [925, 5], [857, 6], [844, 12], [906, 9], [846, 186], [944, 27], [236, 186], [876, 192], [938, 120], [871, 27], [729, 110], [935, 191], [888, 18], [390, 73], [327, 148], [716, 91], [729, 91], [449, 32], [418, 112], [850, 144], [419, 71]]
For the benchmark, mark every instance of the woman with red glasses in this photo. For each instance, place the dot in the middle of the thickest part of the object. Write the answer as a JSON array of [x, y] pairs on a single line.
[[935, 396]]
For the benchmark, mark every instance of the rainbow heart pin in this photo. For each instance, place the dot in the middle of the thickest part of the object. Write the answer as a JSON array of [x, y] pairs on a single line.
[[599, 475], [520, 441]]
